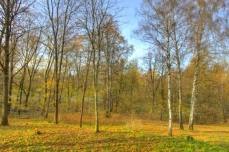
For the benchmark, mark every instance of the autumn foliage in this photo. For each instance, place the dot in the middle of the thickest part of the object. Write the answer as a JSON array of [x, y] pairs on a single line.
[[68, 62], [120, 134]]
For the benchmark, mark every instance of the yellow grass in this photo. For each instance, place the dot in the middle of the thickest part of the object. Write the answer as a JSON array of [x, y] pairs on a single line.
[[117, 133], [206, 133]]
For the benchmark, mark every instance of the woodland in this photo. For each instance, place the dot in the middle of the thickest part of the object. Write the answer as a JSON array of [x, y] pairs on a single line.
[[70, 57]]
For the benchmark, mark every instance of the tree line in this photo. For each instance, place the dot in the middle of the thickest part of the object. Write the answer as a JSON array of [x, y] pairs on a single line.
[[69, 56]]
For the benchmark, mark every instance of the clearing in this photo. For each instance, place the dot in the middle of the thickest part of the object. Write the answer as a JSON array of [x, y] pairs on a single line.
[[116, 134]]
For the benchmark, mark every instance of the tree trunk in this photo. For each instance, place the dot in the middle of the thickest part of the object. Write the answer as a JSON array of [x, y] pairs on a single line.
[[56, 91], [6, 63], [5, 94], [96, 111], [179, 83], [11, 77], [82, 106], [45, 95], [194, 93], [84, 90], [46, 76], [180, 100], [169, 97], [178, 59], [108, 99]]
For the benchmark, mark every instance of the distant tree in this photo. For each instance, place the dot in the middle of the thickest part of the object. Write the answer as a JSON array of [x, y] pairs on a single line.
[[30, 59], [115, 48], [152, 67], [132, 86], [48, 77]]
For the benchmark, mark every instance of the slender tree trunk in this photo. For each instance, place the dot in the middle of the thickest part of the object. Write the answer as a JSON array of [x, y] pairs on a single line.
[[179, 84], [179, 76], [50, 63], [49, 98], [194, 93], [162, 96], [120, 85], [198, 37], [110, 93], [28, 92], [84, 92], [45, 94], [95, 85], [21, 87], [5, 93], [96, 110], [169, 97], [96, 64], [56, 90], [82, 106], [68, 95], [108, 114], [48, 104], [180, 99], [168, 60]]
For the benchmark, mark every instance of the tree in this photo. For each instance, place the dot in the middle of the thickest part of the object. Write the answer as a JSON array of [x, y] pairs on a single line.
[[30, 59], [85, 80], [11, 11], [96, 17], [47, 89], [181, 31], [156, 28], [153, 68], [115, 48], [201, 18], [60, 17]]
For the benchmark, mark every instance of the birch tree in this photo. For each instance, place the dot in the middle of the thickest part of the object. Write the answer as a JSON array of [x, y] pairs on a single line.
[[156, 28], [201, 16], [181, 31]]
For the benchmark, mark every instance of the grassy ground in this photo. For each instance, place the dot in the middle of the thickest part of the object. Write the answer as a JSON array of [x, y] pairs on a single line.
[[117, 134]]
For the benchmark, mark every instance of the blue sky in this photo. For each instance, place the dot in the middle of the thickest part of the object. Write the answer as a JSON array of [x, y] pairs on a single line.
[[130, 23]]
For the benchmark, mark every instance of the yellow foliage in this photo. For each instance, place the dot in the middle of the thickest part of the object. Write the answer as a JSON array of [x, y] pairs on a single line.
[[135, 135]]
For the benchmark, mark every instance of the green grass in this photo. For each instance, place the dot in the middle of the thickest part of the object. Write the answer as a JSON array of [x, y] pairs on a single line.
[[21, 136]]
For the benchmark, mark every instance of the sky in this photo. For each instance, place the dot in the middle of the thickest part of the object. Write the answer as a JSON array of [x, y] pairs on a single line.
[[130, 23]]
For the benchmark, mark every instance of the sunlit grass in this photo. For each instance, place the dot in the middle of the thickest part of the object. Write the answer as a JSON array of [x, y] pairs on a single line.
[[115, 135]]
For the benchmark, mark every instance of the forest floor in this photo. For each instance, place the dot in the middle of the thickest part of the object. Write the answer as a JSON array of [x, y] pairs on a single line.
[[116, 134]]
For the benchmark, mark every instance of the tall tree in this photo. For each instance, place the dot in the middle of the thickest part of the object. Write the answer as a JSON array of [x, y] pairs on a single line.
[[11, 11], [115, 48], [181, 31], [96, 17], [201, 18], [156, 28], [85, 80], [60, 17]]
